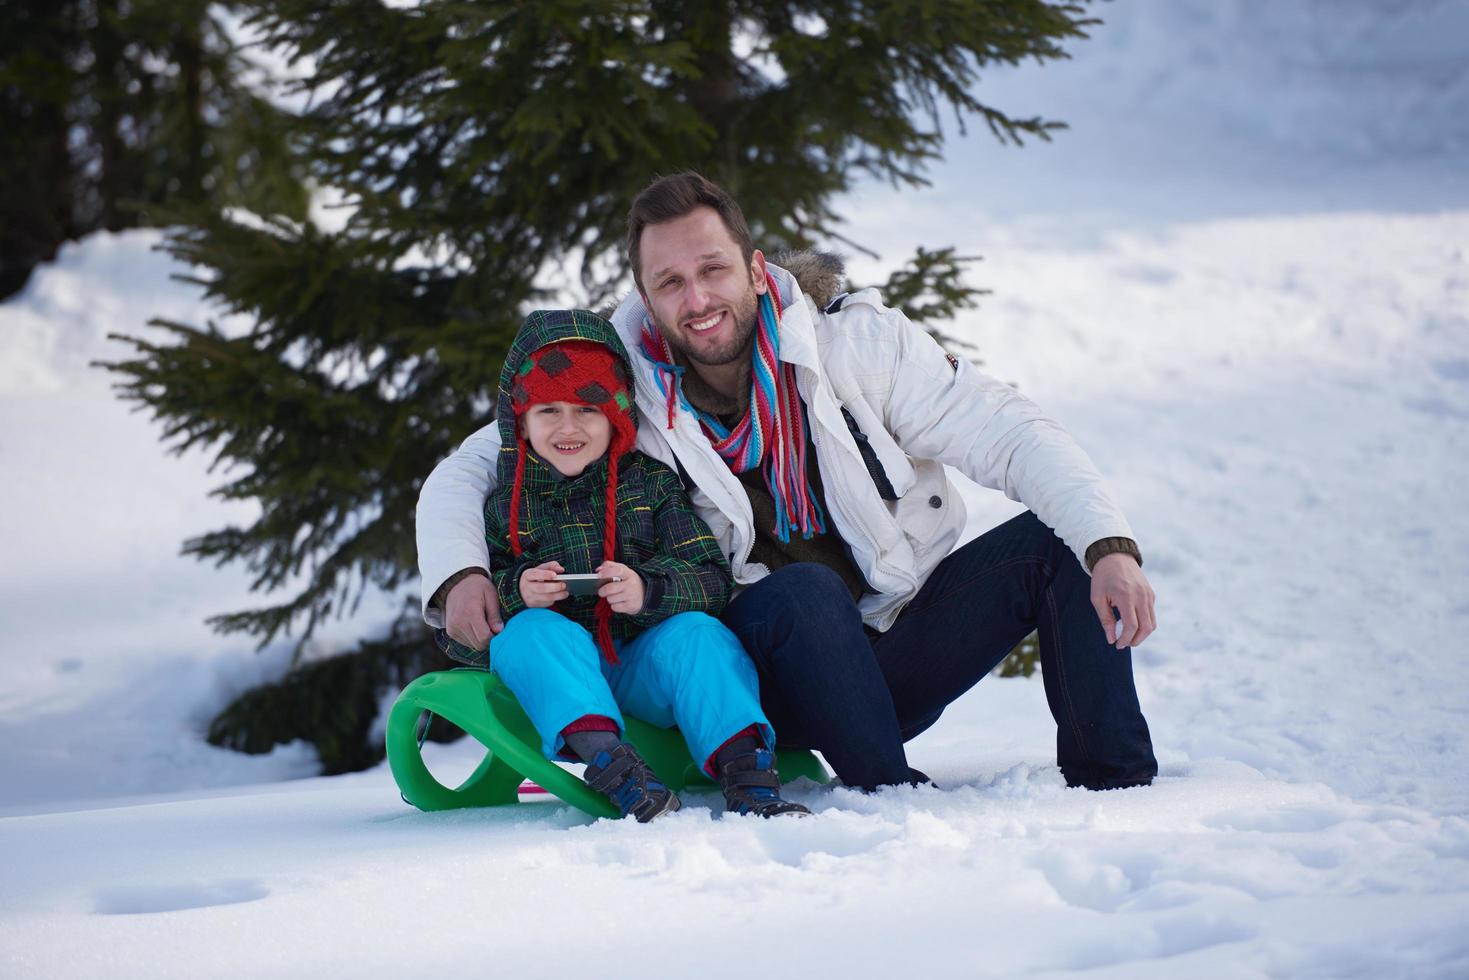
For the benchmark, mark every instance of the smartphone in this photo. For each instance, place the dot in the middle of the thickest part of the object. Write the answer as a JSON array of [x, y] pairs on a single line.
[[584, 583]]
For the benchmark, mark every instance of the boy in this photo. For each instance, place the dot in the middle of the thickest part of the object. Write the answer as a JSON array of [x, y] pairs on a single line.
[[573, 496]]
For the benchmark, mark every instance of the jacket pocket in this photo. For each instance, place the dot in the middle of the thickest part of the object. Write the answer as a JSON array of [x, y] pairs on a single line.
[[931, 514]]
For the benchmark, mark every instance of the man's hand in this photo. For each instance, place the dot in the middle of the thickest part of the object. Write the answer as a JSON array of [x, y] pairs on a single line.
[[1118, 582], [626, 596], [472, 612], [539, 588]]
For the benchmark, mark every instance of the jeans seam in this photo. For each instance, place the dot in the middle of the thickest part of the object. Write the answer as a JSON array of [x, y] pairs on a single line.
[[1061, 672], [1055, 628]]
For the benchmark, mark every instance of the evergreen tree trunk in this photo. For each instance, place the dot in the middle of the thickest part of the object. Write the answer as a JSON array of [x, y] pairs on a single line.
[[714, 93], [111, 92], [189, 56]]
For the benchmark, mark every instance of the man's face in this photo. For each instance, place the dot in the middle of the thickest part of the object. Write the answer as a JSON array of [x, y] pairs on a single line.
[[702, 295]]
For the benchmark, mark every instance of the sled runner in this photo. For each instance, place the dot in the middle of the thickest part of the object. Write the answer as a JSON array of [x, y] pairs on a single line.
[[479, 703]]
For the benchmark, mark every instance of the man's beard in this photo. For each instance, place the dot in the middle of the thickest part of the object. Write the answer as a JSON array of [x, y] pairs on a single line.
[[739, 343]]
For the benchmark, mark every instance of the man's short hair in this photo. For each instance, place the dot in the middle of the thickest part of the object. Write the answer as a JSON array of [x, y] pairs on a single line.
[[673, 197]]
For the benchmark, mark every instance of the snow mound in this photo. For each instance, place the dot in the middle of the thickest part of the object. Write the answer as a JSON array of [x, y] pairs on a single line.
[[108, 674], [110, 283]]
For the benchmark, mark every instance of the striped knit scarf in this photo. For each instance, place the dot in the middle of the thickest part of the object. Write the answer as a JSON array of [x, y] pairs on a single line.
[[773, 431]]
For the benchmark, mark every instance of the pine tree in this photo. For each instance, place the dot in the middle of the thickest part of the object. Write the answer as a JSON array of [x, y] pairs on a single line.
[[115, 113], [485, 149]]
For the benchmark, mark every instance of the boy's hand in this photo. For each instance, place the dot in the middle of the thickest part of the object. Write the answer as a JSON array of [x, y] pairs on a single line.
[[626, 596], [539, 588]]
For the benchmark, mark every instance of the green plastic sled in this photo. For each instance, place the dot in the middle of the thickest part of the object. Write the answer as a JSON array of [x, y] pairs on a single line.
[[479, 703]]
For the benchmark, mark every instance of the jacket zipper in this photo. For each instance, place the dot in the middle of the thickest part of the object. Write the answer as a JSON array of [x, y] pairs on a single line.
[[854, 512]]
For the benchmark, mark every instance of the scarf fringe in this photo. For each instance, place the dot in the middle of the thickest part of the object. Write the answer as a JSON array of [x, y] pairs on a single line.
[[773, 430]]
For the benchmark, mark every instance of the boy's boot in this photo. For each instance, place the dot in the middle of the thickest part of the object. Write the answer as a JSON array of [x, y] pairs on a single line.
[[624, 778], [751, 786]]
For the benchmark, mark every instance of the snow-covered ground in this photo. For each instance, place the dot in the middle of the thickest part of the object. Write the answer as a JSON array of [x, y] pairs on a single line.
[[1242, 280]]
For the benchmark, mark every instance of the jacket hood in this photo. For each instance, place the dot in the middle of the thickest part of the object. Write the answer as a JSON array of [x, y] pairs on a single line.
[[542, 329], [821, 275]]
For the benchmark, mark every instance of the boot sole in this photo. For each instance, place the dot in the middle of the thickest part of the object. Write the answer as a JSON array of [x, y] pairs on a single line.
[[673, 804]]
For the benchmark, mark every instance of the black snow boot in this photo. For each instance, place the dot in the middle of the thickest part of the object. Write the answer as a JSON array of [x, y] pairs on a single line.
[[751, 785], [623, 777]]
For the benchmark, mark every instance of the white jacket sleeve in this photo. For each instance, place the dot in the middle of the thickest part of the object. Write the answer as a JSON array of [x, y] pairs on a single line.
[[944, 408], [451, 515]]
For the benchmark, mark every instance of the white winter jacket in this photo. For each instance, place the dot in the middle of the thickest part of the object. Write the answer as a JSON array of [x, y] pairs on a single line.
[[919, 409]]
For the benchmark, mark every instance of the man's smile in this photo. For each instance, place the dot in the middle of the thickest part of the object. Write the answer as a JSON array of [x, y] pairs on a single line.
[[704, 325]]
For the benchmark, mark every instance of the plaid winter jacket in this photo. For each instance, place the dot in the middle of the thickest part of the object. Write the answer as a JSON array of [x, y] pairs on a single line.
[[658, 534]]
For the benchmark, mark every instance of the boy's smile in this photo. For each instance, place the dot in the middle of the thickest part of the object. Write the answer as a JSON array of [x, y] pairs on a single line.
[[568, 435]]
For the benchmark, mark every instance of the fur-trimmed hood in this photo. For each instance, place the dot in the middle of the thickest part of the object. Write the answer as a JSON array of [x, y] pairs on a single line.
[[821, 275]]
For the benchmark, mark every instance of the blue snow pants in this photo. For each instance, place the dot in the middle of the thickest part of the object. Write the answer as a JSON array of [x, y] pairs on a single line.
[[688, 671]]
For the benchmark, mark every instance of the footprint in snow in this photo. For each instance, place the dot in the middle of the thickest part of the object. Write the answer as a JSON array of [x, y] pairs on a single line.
[[1288, 819], [138, 899], [1174, 935]]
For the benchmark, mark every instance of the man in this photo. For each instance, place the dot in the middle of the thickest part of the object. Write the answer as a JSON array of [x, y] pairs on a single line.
[[814, 442]]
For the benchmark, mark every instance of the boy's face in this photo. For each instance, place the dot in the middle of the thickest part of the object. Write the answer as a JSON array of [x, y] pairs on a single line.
[[567, 435]]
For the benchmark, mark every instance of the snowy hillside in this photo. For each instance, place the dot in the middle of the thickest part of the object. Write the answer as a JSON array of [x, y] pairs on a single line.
[[1241, 279]]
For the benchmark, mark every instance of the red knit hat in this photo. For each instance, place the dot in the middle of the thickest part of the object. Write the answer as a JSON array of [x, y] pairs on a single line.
[[581, 372]]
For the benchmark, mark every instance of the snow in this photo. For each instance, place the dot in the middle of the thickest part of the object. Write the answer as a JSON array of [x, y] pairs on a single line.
[[1241, 279], [108, 674]]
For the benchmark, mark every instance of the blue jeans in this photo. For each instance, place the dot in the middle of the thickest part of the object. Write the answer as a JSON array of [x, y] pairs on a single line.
[[830, 684], [687, 671]]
